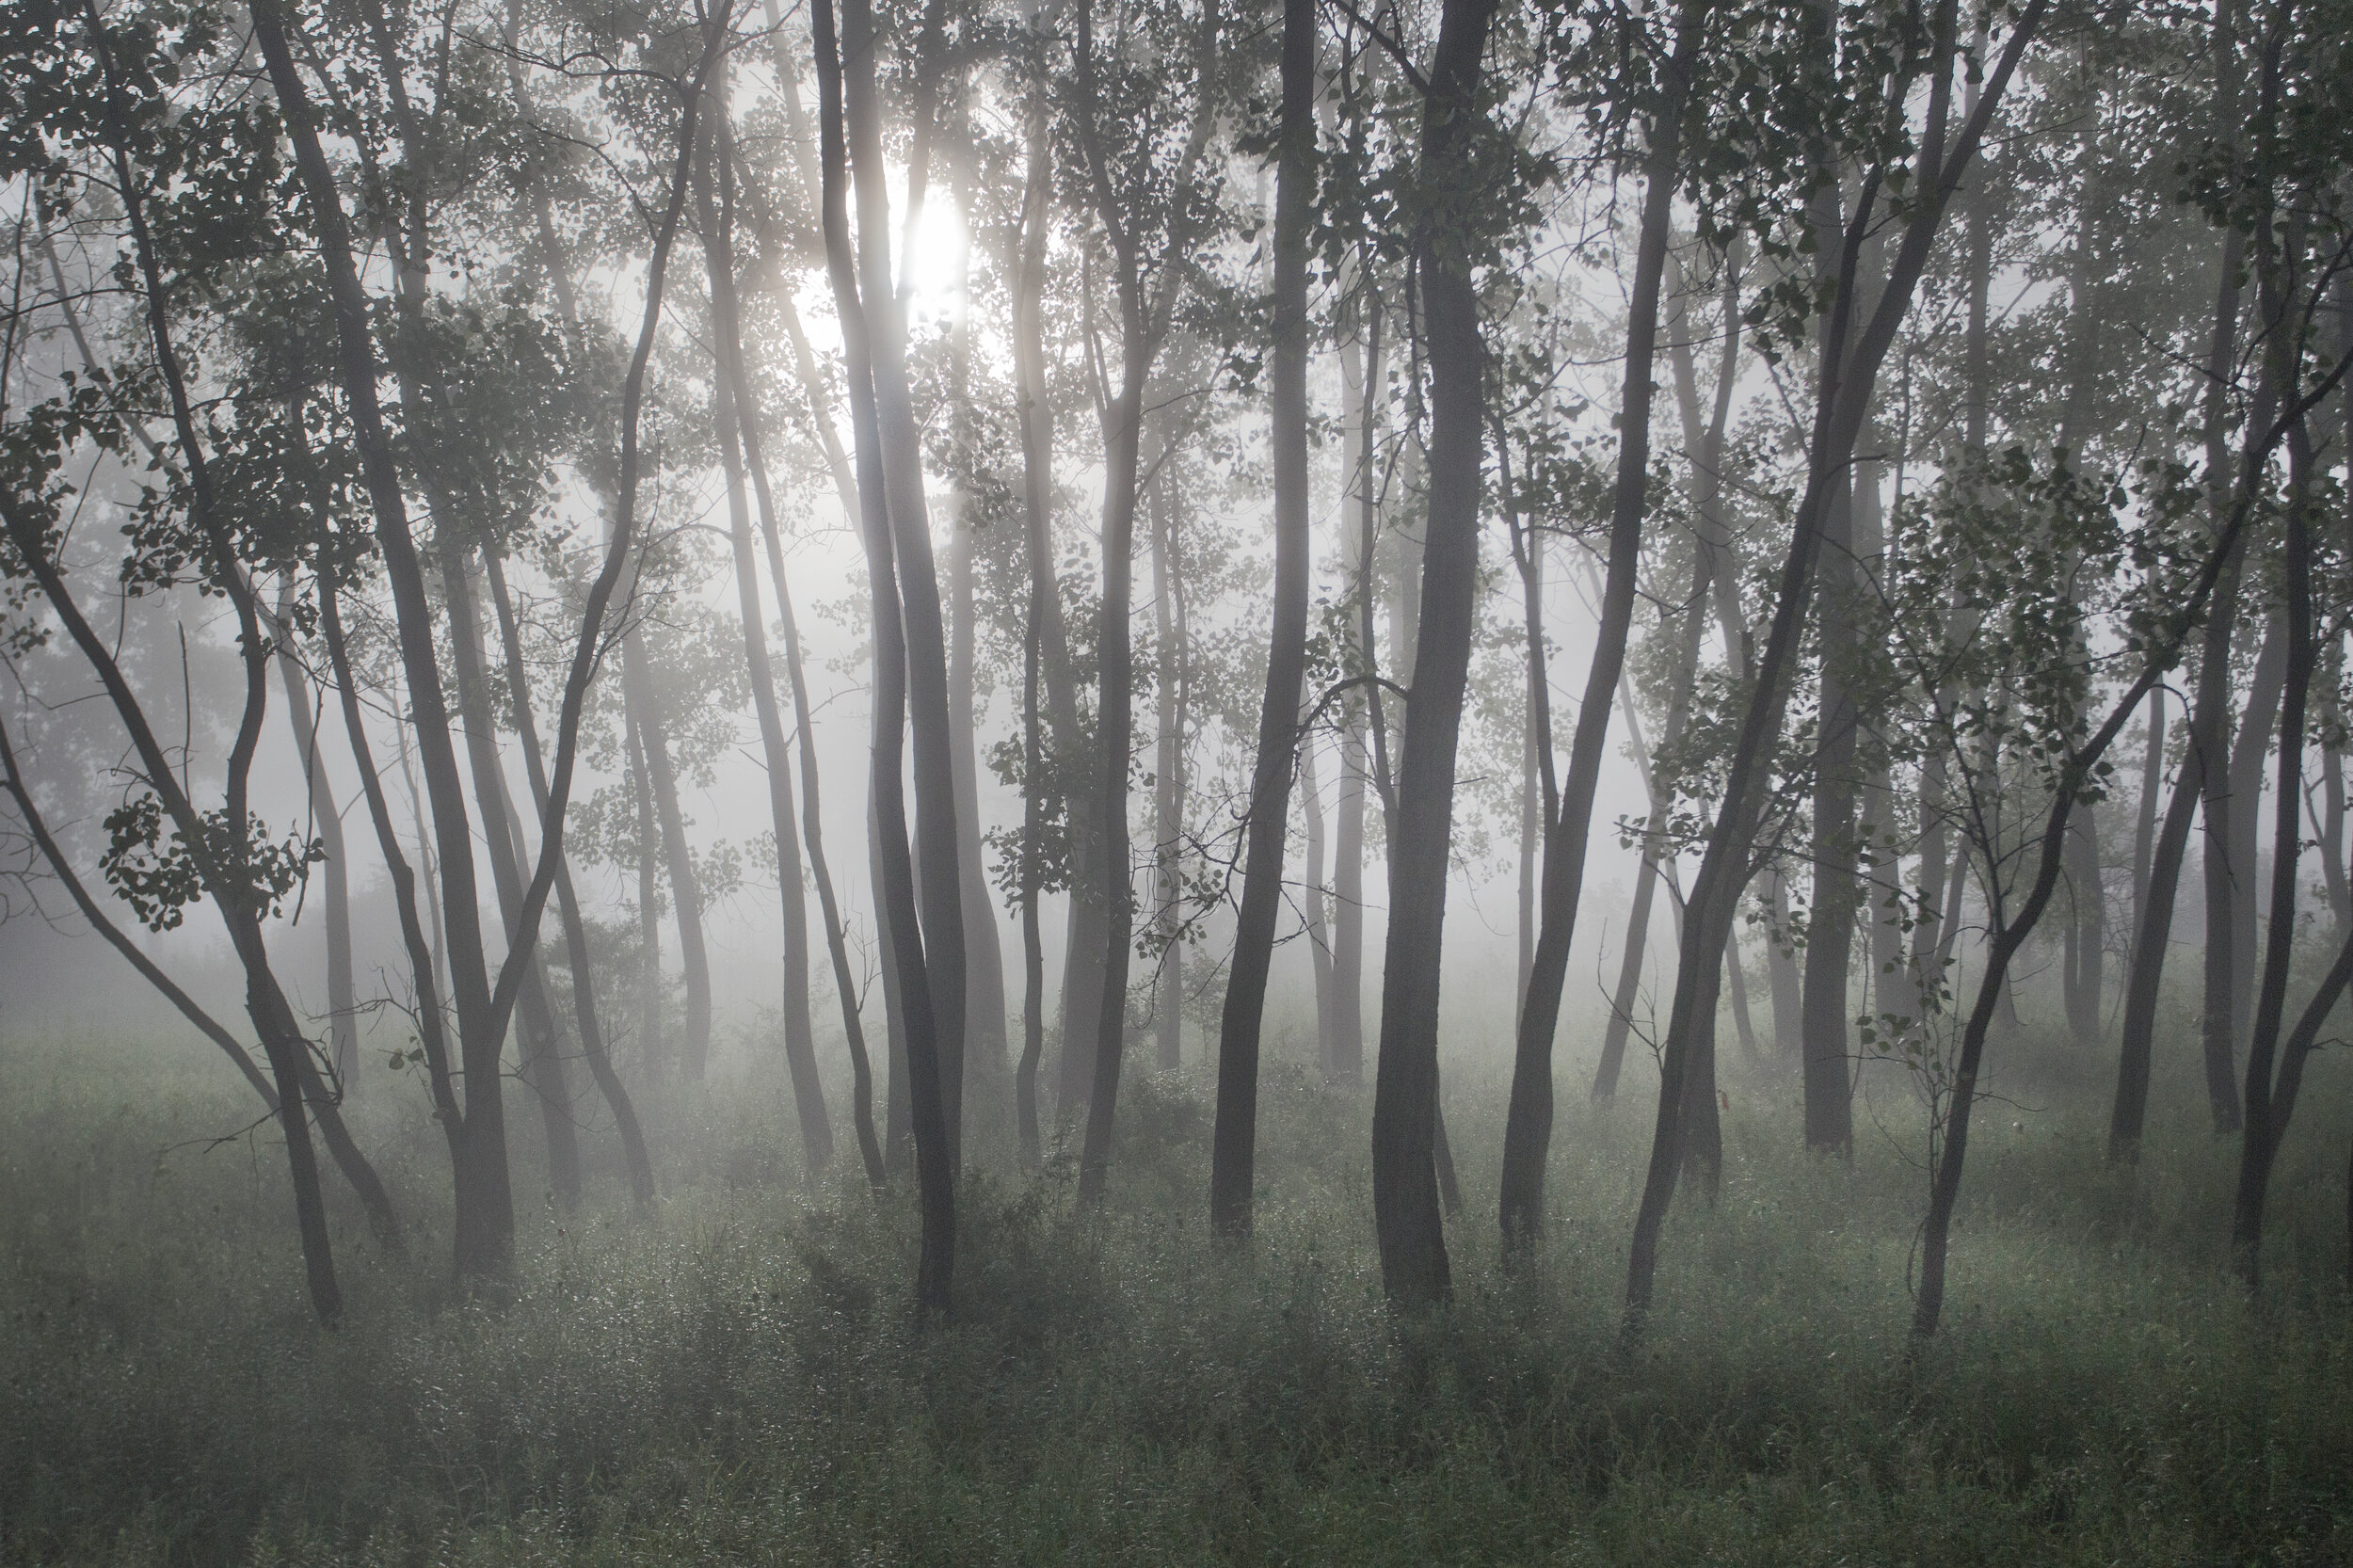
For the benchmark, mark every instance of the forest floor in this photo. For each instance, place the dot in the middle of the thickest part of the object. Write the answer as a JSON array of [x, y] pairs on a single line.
[[734, 1379]]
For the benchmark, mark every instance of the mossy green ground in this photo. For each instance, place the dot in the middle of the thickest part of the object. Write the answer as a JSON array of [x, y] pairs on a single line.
[[735, 1379]]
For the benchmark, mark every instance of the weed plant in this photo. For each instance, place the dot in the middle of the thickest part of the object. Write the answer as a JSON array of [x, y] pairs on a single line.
[[735, 1378]]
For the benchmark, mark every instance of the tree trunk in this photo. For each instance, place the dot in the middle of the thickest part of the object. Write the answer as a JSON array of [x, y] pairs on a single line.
[[1828, 1066], [2145, 818], [343, 1020], [649, 981], [899, 1107], [685, 888], [985, 973], [1712, 569], [484, 1241], [1032, 944], [927, 1099], [1045, 652], [937, 818], [1841, 402], [2283, 368], [1528, 1124], [2248, 754], [1233, 1154], [592, 1043], [1348, 839], [1168, 800], [1414, 1267], [729, 416], [542, 1058], [1316, 918]]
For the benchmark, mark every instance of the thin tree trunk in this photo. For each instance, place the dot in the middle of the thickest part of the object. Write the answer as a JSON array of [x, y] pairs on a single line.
[[2248, 754], [1032, 944], [1406, 1217], [1168, 800], [1828, 1066], [729, 416], [1315, 917], [1842, 403], [575, 927], [985, 971], [1233, 1152], [936, 858], [2261, 1145], [846, 990], [484, 1241], [651, 984], [343, 1020], [685, 888], [1711, 568], [1348, 839], [1144, 325], [1045, 653], [1527, 1123], [542, 1060], [985, 974], [899, 1107], [2145, 820], [927, 1099]]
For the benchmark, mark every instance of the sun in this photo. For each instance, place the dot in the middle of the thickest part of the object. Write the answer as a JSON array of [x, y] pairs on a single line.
[[936, 261]]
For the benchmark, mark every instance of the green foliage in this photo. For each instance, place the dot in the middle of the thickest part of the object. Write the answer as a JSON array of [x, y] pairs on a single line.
[[738, 1380], [159, 878]]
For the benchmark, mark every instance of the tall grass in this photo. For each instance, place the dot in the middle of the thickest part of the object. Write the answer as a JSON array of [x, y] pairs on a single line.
[[735, 1378]]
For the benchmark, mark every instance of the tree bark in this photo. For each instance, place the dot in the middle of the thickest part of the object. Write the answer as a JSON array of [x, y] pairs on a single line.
[[1168, 799], [936, 817], [1841, 402], [1414, 1269], [927, 1099], [343, 1020], [592, 1044], [1144, 325], [1527, 1123], [651, 984], [1233, 1150], [729, 416], [542, 1058], [685, 888]]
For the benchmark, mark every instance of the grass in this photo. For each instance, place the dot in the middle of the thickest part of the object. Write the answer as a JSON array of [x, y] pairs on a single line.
[[734, 1379]]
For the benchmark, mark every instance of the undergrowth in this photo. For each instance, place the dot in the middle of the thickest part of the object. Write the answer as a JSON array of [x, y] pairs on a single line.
[[735, 1378]]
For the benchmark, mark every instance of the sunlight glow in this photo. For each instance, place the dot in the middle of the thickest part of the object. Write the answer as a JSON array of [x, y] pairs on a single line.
[[936, 261]]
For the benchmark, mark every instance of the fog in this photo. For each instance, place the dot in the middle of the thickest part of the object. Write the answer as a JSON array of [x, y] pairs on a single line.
[[1016, 783]]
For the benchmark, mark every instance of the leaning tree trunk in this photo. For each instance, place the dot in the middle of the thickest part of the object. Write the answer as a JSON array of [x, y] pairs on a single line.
[[485, 1230], [2265, 1120], [1528, 1122], [1233, 1150], [543, 1063], [1841, 402], [592, 1043], [1711, 571]]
